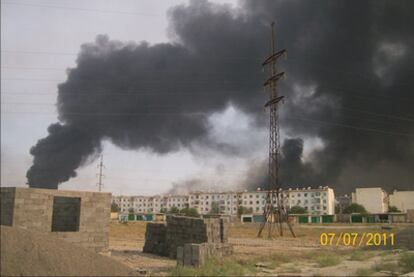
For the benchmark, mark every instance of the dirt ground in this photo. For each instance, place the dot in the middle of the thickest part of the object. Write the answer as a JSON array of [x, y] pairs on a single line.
[[285, 255], [29, 253]]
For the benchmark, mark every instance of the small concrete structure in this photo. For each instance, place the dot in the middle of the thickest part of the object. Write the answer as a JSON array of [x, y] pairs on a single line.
[[79, 217]]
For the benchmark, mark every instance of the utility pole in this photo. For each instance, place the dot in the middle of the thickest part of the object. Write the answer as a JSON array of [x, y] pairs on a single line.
[[275, 206], [100, 175]]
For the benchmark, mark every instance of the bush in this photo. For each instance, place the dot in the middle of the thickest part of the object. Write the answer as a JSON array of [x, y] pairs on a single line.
[[243, 210], [355, 208], [393, 209], [298, 210], [174, 210], [190, 212]]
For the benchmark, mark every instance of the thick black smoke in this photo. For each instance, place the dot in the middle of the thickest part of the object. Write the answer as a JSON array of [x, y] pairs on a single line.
[[348, 65]]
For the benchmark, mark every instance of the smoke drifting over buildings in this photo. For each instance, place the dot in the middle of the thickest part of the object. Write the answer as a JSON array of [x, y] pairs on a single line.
[[350, 70]]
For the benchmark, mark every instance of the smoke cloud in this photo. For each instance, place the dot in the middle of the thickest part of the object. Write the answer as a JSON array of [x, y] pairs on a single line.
[[349, 73]]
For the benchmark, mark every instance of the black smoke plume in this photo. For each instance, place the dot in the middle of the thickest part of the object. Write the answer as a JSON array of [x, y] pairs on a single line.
[[350, 75]]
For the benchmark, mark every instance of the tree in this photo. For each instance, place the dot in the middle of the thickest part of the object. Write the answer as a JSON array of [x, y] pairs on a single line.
[[298, 210], [355, 208], [243, 210], [114, 208], [393, 209], [215, 208], [131, 210], [163, 210], [338, 209], [174, 210], [190, 212]]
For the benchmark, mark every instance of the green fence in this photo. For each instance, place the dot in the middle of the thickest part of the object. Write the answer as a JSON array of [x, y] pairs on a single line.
[[316, 219], [327, 218], [356, 218], [303, 219]]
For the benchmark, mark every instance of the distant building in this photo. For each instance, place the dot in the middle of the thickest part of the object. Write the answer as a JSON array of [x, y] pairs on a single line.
[[403, 200], [319, 200], [374, 200], [343, 201]]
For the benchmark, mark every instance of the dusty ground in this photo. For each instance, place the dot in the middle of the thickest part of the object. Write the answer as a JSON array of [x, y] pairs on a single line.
[[28, 253], [281, 256]]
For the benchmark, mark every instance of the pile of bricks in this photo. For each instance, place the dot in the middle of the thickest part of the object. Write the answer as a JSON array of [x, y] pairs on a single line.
[[192, 254], [166, 240], [155, 239]]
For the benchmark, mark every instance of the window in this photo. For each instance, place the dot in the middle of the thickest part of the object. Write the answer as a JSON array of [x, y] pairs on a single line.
[[305, 194], [66, 214]]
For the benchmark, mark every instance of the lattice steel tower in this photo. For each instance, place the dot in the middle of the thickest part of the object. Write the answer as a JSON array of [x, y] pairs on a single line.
[[274, 211]]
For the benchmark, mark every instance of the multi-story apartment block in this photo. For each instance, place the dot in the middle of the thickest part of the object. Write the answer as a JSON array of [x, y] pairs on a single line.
[[375, 200], [403, 200], [316, 201]]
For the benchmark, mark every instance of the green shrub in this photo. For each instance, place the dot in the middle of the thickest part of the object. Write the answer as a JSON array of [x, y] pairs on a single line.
[[325, 261], [212, 267]]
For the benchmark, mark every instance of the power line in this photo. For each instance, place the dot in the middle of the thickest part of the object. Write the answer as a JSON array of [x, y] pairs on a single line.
[[380, 114], [352, 126], [79, 9], [207, 114], [39, 52]]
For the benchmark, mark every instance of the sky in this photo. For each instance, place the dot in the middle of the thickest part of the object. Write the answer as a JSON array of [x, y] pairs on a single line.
[[28, 106], [170, 92]]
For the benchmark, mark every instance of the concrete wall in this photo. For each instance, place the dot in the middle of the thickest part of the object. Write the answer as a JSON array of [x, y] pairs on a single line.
[[403, 200], [375, 200], [33, 209]]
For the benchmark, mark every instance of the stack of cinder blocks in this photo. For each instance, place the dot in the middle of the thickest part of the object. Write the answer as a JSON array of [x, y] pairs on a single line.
[[206, 238], [193, 254], [155, 239]]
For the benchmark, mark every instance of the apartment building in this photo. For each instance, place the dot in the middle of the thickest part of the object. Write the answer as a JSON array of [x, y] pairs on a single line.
[[403, 200], [317, 201], [375, 200]]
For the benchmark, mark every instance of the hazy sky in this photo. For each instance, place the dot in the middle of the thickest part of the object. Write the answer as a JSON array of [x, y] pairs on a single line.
[[31, 31]]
